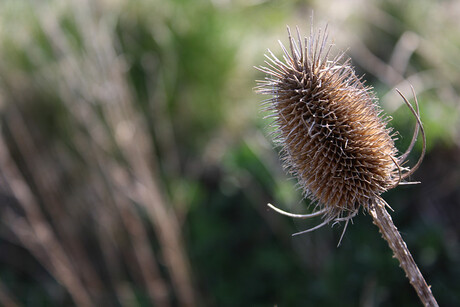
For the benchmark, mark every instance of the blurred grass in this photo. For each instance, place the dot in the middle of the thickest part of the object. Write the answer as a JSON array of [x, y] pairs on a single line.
[[135, 168]]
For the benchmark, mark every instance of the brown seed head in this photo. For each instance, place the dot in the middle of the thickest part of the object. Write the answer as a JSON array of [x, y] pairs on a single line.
[[332, 134], [335, 141]]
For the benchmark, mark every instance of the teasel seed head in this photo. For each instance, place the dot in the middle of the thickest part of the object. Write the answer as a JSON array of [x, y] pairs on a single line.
[[334, 137], [337, 142]]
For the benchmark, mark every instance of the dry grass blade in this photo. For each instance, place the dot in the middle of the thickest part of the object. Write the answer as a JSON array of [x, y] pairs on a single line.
[[107, 154], [43, 242]]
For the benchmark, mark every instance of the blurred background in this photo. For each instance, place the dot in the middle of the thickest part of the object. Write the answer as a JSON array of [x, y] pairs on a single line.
[[135, 163]]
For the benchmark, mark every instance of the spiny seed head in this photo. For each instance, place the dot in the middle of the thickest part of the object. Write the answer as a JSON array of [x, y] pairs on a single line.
[[336, 142], [331, 130]]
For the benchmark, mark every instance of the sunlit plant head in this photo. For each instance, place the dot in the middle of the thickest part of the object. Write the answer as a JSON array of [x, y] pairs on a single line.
[[336, 141], [333, 135]]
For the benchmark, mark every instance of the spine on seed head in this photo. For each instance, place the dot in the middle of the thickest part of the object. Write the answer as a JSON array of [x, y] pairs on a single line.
[[335, 140], [331, 130]]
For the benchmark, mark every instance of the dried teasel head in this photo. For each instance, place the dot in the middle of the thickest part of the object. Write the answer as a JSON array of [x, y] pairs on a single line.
[[333, 135], [336, 141]]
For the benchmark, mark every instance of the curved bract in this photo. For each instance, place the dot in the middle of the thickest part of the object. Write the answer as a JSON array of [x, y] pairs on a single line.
[[335, 140], [333, 135]]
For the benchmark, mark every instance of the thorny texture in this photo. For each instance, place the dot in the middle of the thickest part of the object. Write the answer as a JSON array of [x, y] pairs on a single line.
[[336, 142], [390, 233], [333, 136]]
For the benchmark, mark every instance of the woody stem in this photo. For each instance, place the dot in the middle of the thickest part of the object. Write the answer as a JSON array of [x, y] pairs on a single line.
[[390, 233]]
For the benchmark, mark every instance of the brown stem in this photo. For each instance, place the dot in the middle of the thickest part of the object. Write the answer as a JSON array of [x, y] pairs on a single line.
[[391, 234]]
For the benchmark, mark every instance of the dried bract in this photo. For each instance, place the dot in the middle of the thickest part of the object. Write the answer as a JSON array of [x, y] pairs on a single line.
[[333, 136], [335, 140]]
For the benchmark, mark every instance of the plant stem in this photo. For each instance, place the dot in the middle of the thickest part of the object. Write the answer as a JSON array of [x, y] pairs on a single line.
[[391, 234]]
